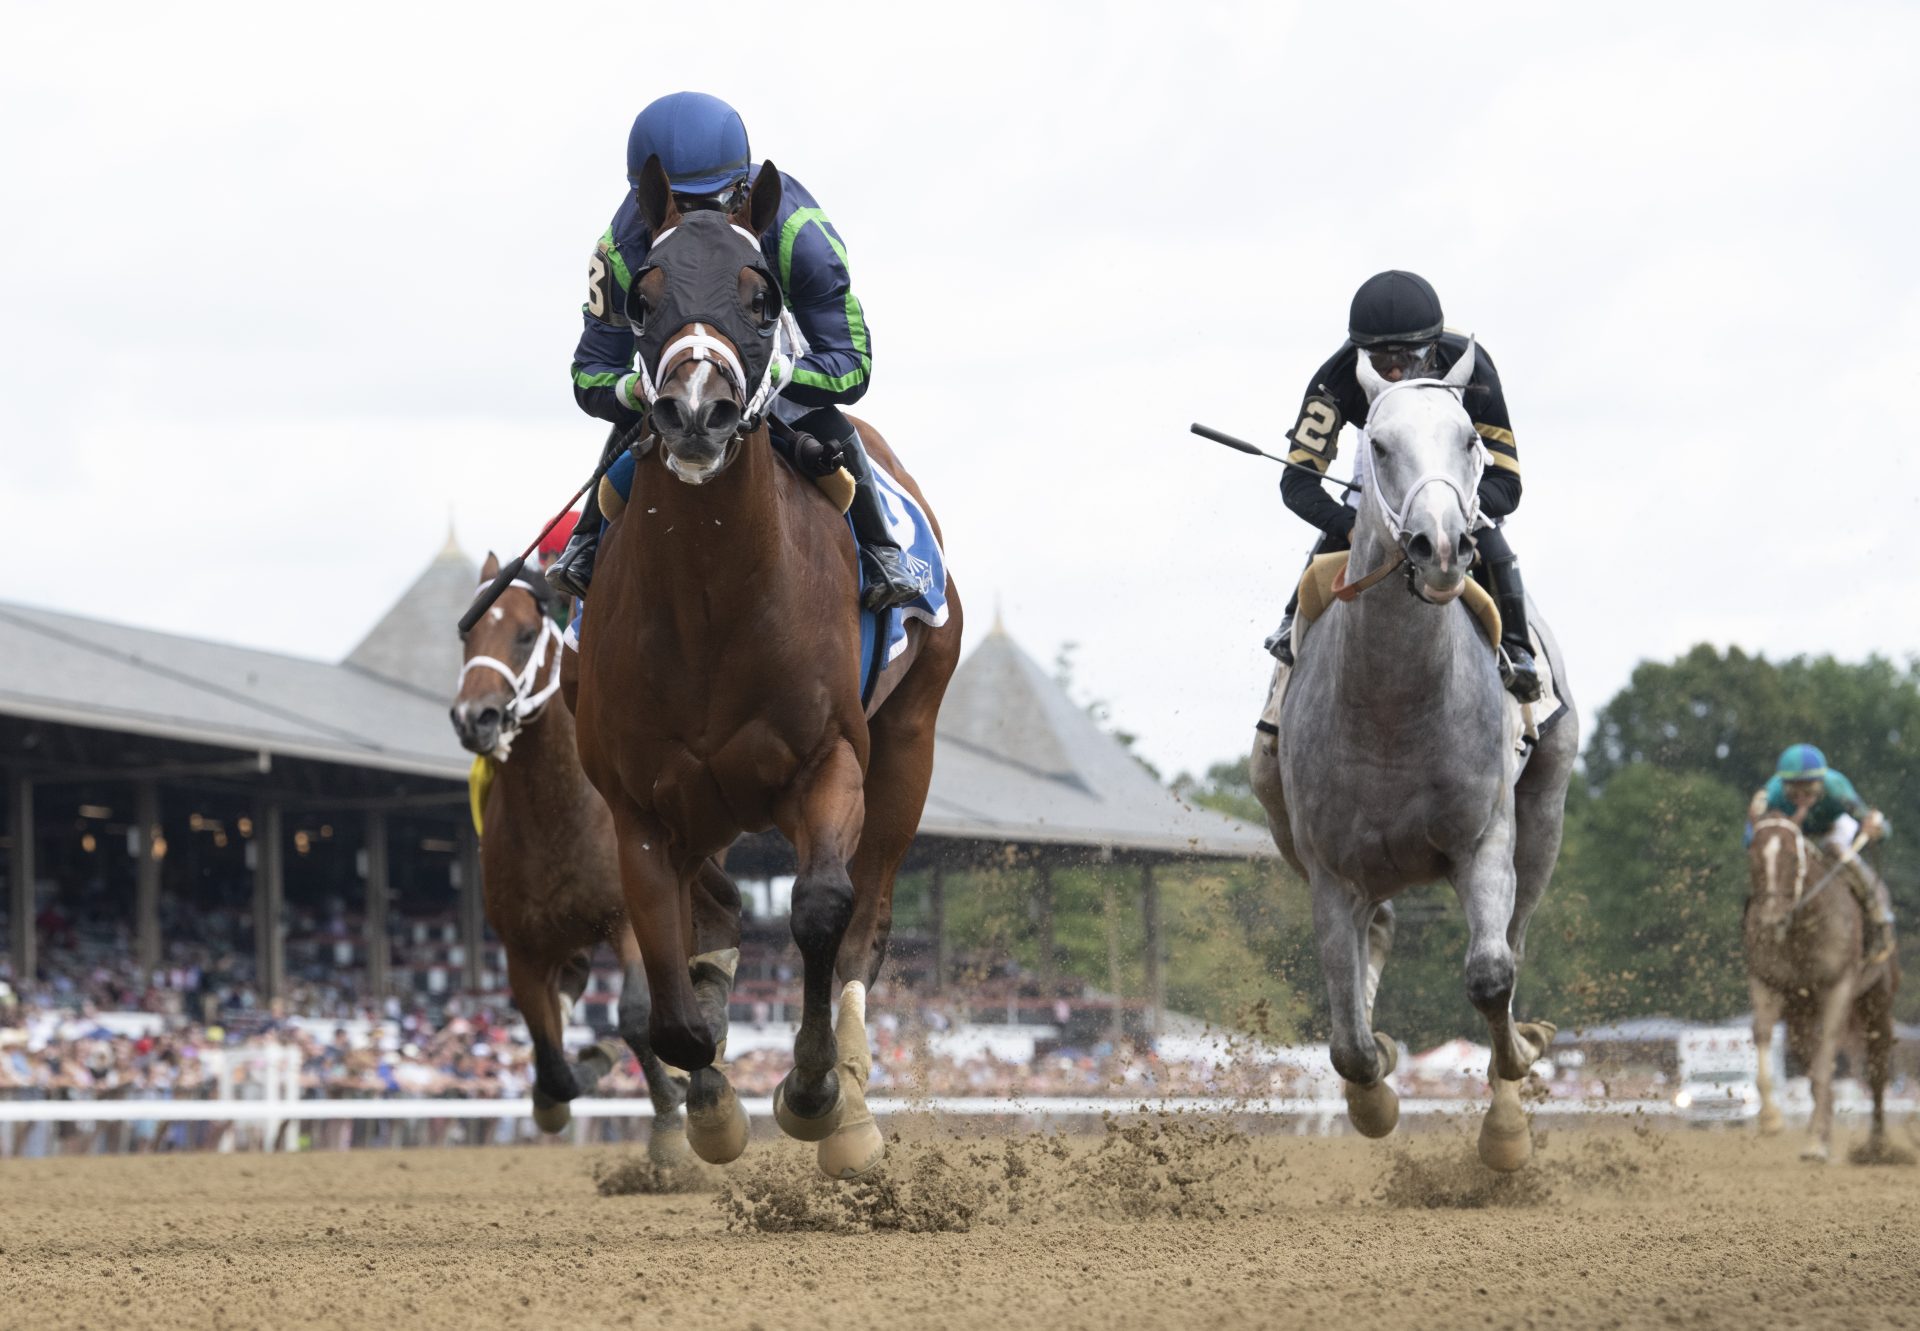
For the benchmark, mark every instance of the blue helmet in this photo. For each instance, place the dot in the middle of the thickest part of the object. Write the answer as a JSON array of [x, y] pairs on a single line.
[[1802, 762], [700, 140]]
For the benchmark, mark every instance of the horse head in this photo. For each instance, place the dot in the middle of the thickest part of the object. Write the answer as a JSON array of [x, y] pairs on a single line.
[[1426, 460], [510, 667], [1777, 868], [704, 310]]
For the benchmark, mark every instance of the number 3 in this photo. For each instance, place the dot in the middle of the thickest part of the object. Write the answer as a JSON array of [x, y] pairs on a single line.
[[597, 287]]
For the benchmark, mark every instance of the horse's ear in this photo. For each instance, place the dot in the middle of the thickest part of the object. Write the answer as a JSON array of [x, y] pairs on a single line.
[[763, 200], [1462, 372], [655, 192], [1370, 380], [491, 569]]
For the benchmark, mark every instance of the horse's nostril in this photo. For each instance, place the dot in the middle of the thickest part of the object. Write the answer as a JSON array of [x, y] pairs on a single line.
[[721, 416], [1464, 547], [669, 415], [1420, 547], [488, 719]]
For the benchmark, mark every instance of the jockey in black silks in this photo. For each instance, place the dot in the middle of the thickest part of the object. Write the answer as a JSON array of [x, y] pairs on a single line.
[[1395, 320], [702, 144]]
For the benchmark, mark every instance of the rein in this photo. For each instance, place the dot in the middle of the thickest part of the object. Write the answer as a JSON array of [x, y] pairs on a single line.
[[1397, 520], [527, 703]]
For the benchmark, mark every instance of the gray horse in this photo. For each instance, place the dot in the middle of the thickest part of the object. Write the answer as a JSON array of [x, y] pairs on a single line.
[[1397, 759]]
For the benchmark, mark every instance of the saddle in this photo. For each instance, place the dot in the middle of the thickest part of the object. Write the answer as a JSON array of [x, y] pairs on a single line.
[[1527, 720]]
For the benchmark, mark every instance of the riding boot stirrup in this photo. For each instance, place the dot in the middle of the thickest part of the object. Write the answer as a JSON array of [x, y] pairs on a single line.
[[572, 569], [1518, 670], [1280, 641], [894, 578]]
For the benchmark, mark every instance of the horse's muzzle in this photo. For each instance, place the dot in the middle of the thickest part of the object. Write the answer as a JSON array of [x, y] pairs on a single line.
[[1439, 561], [478, 728]]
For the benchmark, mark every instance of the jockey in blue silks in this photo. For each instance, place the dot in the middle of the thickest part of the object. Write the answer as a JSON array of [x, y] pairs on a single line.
[[702, 144]]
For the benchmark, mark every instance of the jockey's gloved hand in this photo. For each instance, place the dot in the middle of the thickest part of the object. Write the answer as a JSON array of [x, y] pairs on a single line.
[[1876, 826], [818, 457]]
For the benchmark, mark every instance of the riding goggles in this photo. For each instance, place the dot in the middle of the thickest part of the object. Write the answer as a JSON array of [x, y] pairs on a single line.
[[1407, 357]]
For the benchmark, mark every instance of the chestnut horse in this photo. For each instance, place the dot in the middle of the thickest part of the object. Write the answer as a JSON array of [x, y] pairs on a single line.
[[720, 690], [552, 882], [1805, 959]]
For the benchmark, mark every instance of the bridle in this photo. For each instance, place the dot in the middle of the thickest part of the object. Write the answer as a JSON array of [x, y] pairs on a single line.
[[527, 703], [1467, 497]]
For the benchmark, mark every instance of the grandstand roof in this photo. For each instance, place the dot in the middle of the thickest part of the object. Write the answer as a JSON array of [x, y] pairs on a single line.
[[1016, 761]]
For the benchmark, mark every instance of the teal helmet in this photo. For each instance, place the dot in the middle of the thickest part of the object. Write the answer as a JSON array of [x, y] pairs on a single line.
[[1802, 762]]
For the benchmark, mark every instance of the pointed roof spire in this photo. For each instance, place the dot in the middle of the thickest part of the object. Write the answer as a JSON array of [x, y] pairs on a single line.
[[415, 642]]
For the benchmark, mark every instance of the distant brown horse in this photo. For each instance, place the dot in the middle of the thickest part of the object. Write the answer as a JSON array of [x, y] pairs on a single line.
[[552, 878], [720, 690], [1804, 934]]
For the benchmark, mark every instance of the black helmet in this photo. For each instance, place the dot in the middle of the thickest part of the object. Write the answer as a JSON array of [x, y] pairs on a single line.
[[1394, 307]]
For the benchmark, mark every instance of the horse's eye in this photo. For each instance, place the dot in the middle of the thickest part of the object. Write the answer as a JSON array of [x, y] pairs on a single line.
[[759, 302], [526, 636], [637, 311]]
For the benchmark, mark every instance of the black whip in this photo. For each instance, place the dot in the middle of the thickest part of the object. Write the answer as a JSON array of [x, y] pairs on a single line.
[[1241, 445]]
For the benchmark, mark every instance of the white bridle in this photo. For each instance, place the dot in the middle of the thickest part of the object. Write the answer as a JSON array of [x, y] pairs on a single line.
[[526, 704], [1467, 497]]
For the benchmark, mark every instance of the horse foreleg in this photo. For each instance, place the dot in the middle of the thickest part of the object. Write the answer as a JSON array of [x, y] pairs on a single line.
[[1833, 1010], [824, 824], [1876, 1025], [1766, 1015], [1487, 889], [716, 1122], [538, 997], [1362, 1058], [667, 1138]]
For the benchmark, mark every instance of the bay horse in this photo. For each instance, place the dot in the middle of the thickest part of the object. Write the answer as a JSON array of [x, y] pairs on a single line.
[[1805, 939], [720, 689], [552, 880], [1395, 764]]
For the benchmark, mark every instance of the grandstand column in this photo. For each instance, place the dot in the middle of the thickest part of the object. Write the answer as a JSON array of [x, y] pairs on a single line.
[[379, 898], [20, 874], [1043, 909], [1155, 976], [269, 902], [149, 844], [937, 918], [473, 910], [1110, 911]]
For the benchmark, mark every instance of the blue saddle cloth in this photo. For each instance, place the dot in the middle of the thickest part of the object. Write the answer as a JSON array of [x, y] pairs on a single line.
[[880, 643]]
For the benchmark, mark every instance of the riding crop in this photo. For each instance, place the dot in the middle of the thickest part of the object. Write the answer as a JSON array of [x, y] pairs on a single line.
[[511, 569], [1241, 445]]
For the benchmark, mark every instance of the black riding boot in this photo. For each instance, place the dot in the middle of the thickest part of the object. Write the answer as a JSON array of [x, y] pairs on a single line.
[[892, 576], [572, 568], [1521, 675]]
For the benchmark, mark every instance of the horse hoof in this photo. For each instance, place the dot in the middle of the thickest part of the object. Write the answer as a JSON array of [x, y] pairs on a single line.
[[1816, 1153], [1506, 1139], [855, 1149], [552, 1115], [717, 1127], [1769, 1122], [667, 1143], [1373, 1110], [805, 1129]]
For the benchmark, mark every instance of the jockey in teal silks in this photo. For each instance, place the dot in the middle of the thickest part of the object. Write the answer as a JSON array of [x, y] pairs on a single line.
[[1828, 810], [702, 144]]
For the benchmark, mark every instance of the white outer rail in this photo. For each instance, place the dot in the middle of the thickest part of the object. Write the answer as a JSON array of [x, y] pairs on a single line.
[[245, 1111]]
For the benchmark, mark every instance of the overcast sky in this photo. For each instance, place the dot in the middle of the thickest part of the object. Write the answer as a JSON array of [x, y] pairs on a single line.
[[283, 288]]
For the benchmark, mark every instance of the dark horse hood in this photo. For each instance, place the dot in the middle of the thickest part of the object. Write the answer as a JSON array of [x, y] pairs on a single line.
[[702, 257]]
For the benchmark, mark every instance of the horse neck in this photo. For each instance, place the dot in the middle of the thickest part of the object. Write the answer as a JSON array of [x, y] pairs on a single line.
[[543, 760], [1821, 930], [1393, 647]]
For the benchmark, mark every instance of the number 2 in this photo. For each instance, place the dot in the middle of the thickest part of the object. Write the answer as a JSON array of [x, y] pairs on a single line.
[[1319, 421]]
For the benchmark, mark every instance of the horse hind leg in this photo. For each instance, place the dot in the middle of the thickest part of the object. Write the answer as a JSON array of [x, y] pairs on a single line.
[[1835, 1005], [1362, 1057], [667, 1138]]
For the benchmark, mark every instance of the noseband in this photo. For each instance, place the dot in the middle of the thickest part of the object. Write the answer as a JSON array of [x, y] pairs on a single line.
[[526, 704], [1468, 498]]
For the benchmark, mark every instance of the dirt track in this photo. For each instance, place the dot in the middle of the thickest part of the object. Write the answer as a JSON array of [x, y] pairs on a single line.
[[1161, 1227]]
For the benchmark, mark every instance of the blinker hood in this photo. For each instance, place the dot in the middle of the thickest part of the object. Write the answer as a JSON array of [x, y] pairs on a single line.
[[702, 258]]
